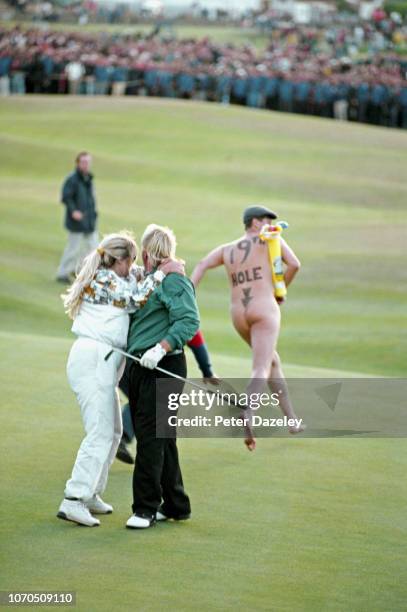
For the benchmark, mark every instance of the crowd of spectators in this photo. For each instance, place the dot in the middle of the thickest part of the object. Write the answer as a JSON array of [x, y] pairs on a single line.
[[77, 11], [304, 70]]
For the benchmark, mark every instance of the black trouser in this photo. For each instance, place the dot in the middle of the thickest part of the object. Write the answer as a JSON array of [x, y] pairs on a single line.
[[157, 473]]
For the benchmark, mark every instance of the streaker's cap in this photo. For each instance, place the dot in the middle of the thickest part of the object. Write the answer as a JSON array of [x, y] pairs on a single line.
[[257, 212]]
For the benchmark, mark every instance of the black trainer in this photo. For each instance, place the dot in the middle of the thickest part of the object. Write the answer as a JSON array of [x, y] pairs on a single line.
[[123, 453]]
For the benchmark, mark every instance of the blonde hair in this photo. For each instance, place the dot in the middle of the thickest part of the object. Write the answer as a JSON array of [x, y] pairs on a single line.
[[159, 243], [112, 248]]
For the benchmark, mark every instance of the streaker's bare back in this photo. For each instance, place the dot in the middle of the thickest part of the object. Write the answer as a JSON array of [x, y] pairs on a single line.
[[247, 263]]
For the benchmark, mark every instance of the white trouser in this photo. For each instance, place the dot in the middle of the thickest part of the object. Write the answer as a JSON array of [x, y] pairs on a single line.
[[79, 245], [94, 382]]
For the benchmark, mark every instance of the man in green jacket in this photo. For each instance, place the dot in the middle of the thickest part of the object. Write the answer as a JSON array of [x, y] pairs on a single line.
[[78, 196], [157, 334]]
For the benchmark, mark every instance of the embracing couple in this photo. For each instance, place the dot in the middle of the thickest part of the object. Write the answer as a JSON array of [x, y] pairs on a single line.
[[151, 312]]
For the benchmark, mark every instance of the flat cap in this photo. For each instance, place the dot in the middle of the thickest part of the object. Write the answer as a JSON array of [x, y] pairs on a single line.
[[257, 212]]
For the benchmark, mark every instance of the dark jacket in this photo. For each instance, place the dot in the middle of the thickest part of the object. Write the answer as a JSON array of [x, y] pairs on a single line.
[[78, 194]]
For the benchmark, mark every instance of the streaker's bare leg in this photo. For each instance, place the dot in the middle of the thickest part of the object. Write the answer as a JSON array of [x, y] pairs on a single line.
[[243, 329], [263, 340], [278, 384], [262, 336], [241, 326]]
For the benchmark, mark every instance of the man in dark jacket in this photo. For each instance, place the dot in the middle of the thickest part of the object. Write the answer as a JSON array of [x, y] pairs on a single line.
[[80, 217]]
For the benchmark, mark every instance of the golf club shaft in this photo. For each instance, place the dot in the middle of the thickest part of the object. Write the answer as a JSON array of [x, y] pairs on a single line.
[[167, 372]]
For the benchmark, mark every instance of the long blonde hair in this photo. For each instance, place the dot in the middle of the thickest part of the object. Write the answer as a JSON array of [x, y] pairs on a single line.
[[159, 243], [113, 247]]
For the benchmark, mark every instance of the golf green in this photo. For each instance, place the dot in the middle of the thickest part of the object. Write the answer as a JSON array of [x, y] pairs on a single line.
[[301, 524]]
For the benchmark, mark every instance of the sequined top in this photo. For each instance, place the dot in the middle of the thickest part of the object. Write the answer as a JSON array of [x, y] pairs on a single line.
[[129, 293]]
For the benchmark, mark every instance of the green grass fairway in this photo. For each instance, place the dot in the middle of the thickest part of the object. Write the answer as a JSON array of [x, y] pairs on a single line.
[[301, 524]]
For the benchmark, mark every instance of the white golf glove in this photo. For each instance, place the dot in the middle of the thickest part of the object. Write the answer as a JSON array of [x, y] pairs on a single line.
[[152, 356]]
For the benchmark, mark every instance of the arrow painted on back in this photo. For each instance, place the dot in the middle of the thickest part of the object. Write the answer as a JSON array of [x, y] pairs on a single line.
[[247, 297]]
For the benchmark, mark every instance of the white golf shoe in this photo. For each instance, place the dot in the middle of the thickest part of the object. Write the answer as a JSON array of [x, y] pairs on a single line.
[[160, 516], [140, 522], [98, 506], [77, 512]]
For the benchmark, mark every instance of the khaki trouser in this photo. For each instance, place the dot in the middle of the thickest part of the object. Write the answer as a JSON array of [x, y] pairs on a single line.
[[341, 110], [4, 86], [74, 85], [79, 245], [118, 88]]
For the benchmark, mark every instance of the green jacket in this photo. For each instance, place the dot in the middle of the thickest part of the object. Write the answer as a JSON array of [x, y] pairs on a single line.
[[170, 313]]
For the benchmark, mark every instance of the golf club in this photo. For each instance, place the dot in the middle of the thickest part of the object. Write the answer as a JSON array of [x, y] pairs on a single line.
[[185, 380]]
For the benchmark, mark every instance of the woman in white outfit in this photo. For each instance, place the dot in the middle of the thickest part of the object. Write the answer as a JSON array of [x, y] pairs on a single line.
[[106, 290]]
